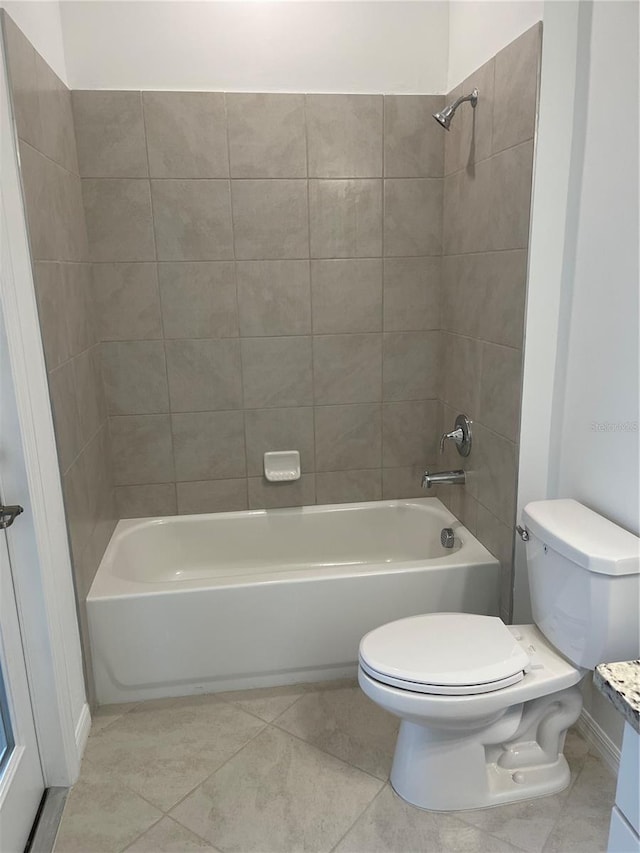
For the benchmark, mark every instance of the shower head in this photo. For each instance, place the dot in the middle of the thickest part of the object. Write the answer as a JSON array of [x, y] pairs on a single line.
[[445, 116]]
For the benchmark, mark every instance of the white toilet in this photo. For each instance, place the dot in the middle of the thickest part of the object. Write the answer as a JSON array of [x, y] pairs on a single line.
[[485, 707]]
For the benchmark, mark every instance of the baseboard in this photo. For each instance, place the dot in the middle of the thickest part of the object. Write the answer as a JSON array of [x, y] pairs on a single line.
[[599, 740], [82, 729]]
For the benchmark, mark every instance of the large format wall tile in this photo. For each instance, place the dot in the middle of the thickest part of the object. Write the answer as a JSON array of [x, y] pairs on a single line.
[[412, 294], [192, 220], [186, 134], [267, 136], [344, 136], [135, 377], [270, 219], [347, 368], [412, 216], [334, 487], [516, 84], [411, 365], [277, 372], [119, 220], [141, 449], [142, 501], [345, 218], [274, 298], [198, 300], [347, 295], [348, 437], [212, 496], [127, 301], [413, 141], [204, 375], [110, 134], [209, 445], [409, 432]]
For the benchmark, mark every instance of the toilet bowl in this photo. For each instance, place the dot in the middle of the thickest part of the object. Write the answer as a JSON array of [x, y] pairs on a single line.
[[485, 707], [471, 743]]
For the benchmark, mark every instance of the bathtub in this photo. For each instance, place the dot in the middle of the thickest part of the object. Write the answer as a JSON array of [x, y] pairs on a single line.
[[204, 603]]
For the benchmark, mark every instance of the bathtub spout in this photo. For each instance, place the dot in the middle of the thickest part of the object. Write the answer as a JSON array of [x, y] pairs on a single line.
[[441, 478]]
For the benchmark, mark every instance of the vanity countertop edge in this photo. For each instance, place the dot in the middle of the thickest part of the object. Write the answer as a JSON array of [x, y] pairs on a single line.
[[620, 683]]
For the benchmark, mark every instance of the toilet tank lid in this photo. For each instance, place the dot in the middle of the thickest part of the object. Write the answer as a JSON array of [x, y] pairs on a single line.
[[584, 537]]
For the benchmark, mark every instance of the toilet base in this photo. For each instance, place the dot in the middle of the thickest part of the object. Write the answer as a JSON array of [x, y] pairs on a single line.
[[518, 757]]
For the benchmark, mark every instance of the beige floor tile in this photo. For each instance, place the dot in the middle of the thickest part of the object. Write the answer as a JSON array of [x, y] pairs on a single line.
[[576, 749], [526, 825], [390, 825], [345, 723], [163, 749], [595, 788], [583, 826], [332, 684], [266, 703], [102, 816], [167, 836], [107, 714], [579, 834], [278, 795]]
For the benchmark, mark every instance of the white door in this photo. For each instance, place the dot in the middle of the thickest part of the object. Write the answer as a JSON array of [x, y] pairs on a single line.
[[21, 778], [21, 781]]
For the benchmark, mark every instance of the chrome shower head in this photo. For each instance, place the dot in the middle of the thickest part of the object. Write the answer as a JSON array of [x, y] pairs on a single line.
[[445, 116]]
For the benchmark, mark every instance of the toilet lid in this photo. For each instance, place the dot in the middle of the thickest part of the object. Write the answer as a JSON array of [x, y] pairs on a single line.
[[449, 653]]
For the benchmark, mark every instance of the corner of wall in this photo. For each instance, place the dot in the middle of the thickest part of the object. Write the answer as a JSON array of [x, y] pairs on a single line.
[[41, 23]]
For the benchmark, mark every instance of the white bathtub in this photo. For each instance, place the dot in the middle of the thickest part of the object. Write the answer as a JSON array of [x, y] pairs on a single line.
[[204, 603]]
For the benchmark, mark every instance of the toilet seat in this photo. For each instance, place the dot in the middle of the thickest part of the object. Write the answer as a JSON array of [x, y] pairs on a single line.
[[444, 654]]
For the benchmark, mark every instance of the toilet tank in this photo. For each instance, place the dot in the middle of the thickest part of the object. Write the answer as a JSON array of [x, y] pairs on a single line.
[[584, 577]]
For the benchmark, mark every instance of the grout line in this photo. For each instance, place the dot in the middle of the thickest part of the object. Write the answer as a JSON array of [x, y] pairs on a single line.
[[359, 816], [381, 782], [157, 279], [313, 349], [144, 832], [239, 336], [262, 729]]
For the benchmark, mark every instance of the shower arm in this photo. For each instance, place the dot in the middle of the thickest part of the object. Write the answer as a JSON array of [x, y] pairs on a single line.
[[473, 97]]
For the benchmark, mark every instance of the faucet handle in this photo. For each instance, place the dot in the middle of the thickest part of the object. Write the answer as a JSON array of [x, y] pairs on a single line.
[[461, 435], [455, 435]]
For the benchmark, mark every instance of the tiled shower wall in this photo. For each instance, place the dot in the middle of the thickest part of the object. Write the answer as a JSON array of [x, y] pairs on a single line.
[[487, 190], [266, 270], [333, 274], [58, 242]]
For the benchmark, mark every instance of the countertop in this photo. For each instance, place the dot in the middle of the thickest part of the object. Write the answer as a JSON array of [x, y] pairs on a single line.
[[620, 683]]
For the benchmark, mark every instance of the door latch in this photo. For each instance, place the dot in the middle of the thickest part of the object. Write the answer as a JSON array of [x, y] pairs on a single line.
[[8, 515]]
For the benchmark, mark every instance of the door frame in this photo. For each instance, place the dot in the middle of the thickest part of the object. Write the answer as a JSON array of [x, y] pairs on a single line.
[[47, 607]]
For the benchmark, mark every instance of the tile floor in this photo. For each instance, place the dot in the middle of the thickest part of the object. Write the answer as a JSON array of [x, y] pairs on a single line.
[[300, 768]]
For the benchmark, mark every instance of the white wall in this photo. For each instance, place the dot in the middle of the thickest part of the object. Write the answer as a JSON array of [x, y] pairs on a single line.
[[40, 22], [597, 455], [582, 353], [597, 387], [478, 29], [257, 46]]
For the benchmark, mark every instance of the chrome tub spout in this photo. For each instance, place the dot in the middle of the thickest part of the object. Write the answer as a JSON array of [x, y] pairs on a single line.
[[440, 478]]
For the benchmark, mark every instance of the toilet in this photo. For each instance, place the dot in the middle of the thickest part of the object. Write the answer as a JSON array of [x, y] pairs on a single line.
[[485, 707]]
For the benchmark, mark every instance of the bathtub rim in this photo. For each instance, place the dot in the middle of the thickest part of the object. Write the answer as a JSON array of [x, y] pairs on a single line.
[[106, 585]]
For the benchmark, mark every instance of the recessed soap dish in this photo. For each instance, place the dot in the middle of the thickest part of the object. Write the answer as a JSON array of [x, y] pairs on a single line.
[[282, 466]]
